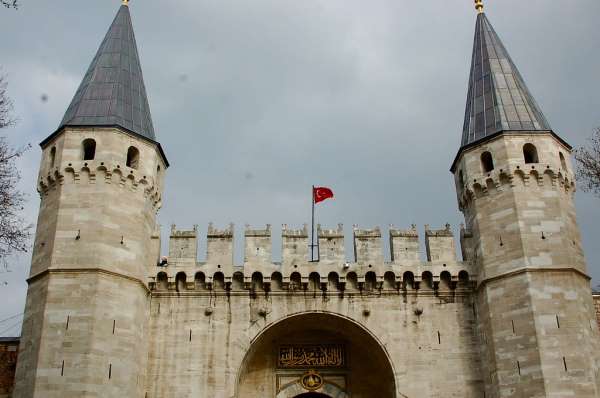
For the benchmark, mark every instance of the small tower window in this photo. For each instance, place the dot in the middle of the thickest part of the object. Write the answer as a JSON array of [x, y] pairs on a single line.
[[133, 157], [530, 153], [461, 179], [89, 149], [487, 162], [563, 162], [53, 156]]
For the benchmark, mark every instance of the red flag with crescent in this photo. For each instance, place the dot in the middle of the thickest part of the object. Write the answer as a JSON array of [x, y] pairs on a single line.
[[321, 193]]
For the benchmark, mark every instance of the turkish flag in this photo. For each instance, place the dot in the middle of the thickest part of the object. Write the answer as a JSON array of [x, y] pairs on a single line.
[[321, 193]]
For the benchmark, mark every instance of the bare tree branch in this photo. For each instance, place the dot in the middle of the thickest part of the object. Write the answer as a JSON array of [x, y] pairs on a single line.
[[14, 232], [6, 105], [588, 164], [10, 3]]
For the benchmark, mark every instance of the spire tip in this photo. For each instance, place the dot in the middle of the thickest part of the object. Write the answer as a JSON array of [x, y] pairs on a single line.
[[479, 6]]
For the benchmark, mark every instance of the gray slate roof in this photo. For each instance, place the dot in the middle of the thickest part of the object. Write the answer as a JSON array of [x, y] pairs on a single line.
[[112, 92], [498, 99]]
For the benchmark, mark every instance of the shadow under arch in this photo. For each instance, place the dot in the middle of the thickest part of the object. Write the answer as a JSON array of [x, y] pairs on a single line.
[[369, 370]]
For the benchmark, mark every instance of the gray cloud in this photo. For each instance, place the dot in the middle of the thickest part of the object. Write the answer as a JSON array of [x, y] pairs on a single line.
[[256, 101]]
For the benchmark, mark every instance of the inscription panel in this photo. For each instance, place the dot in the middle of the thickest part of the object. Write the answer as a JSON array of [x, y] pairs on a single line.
[[312, 356]]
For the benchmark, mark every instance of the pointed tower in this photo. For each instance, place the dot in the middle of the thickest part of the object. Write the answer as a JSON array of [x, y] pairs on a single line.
[[515, 186], [100, 182]]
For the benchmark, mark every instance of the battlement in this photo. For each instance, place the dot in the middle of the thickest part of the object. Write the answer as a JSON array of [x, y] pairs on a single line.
[[330, 233], [183, 244], [220, 233], [367, 245], [440, 244], [94, 172], [331, 256], [404, 245], [294, 233]]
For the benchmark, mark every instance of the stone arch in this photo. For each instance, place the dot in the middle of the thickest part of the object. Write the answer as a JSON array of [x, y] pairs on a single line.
[[218, 282], [200, 280], [237, 281], [88, 149], [314, 281], [389, 280], [351, 281], [426, 281], [487, 162], [181, 281], [530, 153], [333, 281], [408, 280], [369, 366], [133, 157], [295, 281], [276, 281], [162, 281], [370, 281], [257, 281]]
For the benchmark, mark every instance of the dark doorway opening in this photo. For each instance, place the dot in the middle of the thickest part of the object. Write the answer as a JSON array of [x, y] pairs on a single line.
[[312, 395]]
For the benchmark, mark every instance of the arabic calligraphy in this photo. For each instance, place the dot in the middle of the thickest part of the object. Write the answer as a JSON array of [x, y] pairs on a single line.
[[322, 356]]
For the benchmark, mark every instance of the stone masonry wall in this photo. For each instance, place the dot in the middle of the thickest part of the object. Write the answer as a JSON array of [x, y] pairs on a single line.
[[84, 329], [205, 318], [534, 297]]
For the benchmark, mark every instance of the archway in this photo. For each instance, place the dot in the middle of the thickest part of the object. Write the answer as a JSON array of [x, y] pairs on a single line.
[[316, 354]]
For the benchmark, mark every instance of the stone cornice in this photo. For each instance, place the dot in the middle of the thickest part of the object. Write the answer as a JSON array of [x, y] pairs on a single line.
[[46, 272], [519, 271]]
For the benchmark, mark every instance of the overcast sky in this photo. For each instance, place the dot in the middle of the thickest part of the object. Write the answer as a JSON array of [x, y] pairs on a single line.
[[255, 101]]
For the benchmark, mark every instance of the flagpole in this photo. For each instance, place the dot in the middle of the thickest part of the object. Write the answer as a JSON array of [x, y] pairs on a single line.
[[312, 228]]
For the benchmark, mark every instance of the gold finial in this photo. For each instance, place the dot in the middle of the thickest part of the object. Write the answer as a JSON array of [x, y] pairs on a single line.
[[125, 2], [479, 6]]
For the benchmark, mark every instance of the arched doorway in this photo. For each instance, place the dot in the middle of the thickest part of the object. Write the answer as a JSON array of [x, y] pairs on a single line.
[[316, 355]]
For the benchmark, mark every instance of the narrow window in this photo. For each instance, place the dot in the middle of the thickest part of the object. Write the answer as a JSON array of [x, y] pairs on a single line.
[[461, 178], [530, 153], [89, 149], [563, 162], [53, 156], [487, 162], [133, 157]]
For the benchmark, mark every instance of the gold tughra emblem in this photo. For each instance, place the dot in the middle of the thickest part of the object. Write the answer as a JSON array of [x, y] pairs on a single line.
[[311, 380], [312, 356]]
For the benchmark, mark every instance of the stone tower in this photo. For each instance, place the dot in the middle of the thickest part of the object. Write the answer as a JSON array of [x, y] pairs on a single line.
[[100, 181], [515, 186]]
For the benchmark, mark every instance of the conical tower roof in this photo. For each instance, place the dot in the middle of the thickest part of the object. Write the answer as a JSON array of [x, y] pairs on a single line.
[[498, 99], [112, 92]]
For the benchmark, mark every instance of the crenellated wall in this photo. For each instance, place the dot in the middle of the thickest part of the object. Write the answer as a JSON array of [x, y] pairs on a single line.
[[205, 316], [405, 270]]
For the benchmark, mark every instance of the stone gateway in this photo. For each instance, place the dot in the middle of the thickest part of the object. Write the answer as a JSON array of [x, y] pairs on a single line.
[[106, 316]]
